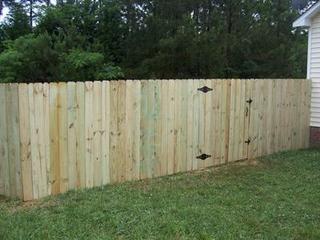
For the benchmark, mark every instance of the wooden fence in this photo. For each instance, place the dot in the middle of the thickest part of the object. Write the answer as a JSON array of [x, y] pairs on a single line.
[[61, 136]]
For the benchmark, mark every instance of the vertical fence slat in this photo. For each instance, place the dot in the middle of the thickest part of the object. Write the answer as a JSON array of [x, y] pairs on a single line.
[[215, 122], [4, 160], [46, 134], [25, 142], [12, 111], [233, 102], [177, 126], [34, 148], [164, 127], [307, 108], [63, 136], [190, 108], [89, 132], [170, 120], [129, 122], [54, 139], [208, 121], [247, 117], [40, 163], [121, 122], [105, 171], [72, 129], [113, 131], [201, 124], [136, 129], [69, 135], [97, 133], [219, 128], [183, 125], [196, 123], [226, 119], [80, 136], [157, 127]]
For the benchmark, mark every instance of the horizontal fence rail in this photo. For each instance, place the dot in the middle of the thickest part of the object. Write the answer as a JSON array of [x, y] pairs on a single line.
[[61, 136]]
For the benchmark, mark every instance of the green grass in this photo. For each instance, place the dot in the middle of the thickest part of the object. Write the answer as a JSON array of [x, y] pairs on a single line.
[[279, 198]]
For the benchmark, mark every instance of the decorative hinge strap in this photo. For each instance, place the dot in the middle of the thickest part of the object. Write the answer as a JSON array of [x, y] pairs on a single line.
[[204, 156], [205, 89]]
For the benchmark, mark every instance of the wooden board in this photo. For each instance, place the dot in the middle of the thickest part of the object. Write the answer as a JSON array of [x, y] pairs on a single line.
[[80, 136], [4, 160], [113, 140], [122, 134], [72, 134], [105, 125], [62, 136], [54, 177], [170, 126], [157, 129], [89, 132], [97, 135], [13, 136], [25, 142]]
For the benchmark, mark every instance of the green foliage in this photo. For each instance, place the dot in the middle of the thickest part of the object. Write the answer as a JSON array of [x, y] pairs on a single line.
[[10, 62], [160, 39], [16, 24], [35, 59], [82, 65], [110, 72], [276, 199], [39, 58]]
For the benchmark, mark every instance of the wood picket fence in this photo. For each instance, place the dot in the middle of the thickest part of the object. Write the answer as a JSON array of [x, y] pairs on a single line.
[[55, 137]]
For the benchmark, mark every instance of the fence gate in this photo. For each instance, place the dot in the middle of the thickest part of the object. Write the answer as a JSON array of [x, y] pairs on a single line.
[[62, 136], [212, 121], [239, 120], [224, 121]]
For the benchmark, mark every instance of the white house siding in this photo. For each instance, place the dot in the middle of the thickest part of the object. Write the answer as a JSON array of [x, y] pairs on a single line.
[[314, 69]]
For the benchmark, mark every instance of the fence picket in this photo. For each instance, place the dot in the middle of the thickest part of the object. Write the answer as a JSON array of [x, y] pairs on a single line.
[[61, 136]]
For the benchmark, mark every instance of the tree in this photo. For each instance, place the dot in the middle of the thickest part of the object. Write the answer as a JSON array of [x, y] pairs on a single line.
[[16, 23], [162, 39], [5, 3], [44, 59]]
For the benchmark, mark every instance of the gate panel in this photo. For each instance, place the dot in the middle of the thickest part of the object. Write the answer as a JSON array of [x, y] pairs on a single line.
[[239, 115], [211, 111]]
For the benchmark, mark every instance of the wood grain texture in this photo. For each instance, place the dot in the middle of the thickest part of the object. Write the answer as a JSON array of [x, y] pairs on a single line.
[[62, 136], [54, 177], [89, 132], [4, 159], [80, 136], [105, 98], [13, 136], [25, 142]]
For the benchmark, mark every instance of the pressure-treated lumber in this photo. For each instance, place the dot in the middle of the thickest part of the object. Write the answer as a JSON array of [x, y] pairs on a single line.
[[62, 136]]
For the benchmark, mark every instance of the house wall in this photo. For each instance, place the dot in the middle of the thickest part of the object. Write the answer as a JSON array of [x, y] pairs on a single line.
[[314, 69]]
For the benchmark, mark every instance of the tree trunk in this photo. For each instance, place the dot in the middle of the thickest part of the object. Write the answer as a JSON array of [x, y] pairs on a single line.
[[31, 13]]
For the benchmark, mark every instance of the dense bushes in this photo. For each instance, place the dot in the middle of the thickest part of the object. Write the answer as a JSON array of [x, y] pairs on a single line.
[[108, 39]]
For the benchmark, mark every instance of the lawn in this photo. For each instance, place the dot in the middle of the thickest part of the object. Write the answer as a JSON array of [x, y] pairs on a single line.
[[277, 197]]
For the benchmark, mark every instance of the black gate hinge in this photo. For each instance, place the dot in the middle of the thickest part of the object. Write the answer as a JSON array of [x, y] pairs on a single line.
[[204, 156], [249, 101], [248, 141], [205, 89]]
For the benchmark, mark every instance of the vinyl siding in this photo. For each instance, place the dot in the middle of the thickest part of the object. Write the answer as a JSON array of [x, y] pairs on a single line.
[[314, 70]]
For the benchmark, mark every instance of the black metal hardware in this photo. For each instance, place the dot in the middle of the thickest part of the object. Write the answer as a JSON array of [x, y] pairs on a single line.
[[204, 157], [248, 141], [247, 111], [205, 89], [249, 101]]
